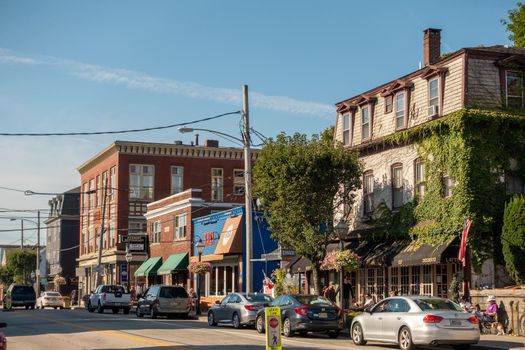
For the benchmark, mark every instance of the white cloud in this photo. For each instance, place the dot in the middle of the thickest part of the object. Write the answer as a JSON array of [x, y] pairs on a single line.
[[137, 80]]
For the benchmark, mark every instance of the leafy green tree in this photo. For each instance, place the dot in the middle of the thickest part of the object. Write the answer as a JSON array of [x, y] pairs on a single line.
[[302, 182], [516, 25], [513, 238], [18, 268]]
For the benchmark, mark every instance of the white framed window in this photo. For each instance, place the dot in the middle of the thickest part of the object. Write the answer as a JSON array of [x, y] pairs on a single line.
[[365, 123], [177, 177], [400, 110], [141, 181], [433, 97], [217, 184], [514, 89], [397, 186], [137, 227], [85, 197], [91, 194], [238, 182], [419, 178], [368, 192], [98, 194], [388, 103], [112, 232], [155, 228], [112, 183], [448, 186], [180, 227], [346, 129]]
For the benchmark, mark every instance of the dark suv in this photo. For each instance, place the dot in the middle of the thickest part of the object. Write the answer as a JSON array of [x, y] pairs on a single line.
[[22, 295]]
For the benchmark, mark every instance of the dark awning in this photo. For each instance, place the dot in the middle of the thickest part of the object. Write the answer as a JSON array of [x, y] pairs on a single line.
[[417, 253], [374, 254]]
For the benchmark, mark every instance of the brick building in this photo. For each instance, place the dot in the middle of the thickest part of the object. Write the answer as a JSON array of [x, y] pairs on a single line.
[[396, 170], [139, 173]]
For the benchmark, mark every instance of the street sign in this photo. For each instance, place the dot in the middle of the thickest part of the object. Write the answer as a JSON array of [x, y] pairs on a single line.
[[273, 328]]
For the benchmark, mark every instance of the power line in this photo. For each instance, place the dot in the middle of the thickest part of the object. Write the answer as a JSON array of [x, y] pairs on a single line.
[[120, 131]]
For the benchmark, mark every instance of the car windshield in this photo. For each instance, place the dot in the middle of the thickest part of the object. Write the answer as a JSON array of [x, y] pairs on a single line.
[[53, 294], [173, 292], [258, 298], [437, 304], [313, 300]]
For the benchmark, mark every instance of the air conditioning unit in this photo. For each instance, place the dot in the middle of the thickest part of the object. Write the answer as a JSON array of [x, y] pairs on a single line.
[[433, 111]]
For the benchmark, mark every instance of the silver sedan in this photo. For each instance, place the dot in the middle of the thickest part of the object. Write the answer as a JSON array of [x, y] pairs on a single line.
[[238, 309], [416, 320]]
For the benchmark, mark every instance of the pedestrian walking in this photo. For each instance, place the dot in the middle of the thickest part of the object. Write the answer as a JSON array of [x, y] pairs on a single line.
[[330, 292]]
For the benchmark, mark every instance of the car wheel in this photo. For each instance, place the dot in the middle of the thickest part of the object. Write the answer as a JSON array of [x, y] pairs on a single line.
[[55, 307], [138, 313], [259, 324], [100, 309], [126, 310], [405, 339], [115, 311], [90, 309], [27, 307], [357, 334], [236, 321], [32, 306], [461, 347], [211, 319], [333, 334], [152, 312], [287, 328]]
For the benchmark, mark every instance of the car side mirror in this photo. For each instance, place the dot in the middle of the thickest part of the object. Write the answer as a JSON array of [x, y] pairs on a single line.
[[217, 302]]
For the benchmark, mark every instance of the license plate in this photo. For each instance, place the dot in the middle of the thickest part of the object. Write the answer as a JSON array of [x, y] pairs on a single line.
[[455, 322], [323, 315]]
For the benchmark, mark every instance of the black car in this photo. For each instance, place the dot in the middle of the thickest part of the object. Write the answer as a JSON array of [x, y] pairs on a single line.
[[303, 314], [22, 295]]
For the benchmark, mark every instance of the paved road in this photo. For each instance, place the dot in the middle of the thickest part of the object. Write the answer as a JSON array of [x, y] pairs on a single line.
[[78, 329]]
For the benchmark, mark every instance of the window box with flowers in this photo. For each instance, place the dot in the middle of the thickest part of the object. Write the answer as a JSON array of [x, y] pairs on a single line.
[[200, 267], [340, 260]]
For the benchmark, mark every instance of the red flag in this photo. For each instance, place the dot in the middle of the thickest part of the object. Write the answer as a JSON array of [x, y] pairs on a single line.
[[463, 245]]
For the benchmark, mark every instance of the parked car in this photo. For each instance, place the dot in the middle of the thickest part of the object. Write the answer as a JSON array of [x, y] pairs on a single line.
[[303, 314], [238, 309], [3, 339], [416, 320], [164, 300], [22, 295], [50, 299], [109, 296]]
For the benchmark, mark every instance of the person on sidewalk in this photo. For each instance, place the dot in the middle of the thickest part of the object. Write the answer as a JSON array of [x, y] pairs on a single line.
[[492, 309], [330, 292]]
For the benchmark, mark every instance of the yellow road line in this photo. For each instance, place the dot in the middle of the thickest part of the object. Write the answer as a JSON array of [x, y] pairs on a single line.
[[116, 334]]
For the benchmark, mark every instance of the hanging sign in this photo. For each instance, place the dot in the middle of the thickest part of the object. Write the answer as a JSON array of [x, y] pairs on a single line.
[[273, 328]]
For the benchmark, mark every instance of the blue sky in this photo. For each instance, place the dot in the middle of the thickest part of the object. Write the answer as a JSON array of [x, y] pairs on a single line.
[[69, 66]]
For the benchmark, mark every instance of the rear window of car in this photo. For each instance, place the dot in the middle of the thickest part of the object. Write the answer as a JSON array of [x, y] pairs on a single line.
[[112, 289], [52, 294], [173, 292], [23, 290], [258, 298], [313, 300], [437, 304]]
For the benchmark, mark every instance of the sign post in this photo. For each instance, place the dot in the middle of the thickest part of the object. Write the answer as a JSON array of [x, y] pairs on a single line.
[[273, 328]]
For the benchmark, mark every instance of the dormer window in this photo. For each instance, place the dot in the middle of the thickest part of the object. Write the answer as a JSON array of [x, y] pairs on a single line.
[[346, 129], [400, 110], [365, 123], [388, 103], [514, 89]]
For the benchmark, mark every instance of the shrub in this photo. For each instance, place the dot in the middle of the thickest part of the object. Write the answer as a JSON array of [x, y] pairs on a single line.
[[513, 238]]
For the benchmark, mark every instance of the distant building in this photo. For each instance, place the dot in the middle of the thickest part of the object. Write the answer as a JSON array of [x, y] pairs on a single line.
[[63, 225]]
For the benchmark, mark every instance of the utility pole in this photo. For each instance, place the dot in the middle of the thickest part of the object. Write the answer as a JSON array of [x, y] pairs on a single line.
[[37, 272], [102, 230], [22, 234], [247, 187]]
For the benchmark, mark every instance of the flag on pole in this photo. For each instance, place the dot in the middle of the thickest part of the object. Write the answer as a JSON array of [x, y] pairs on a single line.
[[463, 245]]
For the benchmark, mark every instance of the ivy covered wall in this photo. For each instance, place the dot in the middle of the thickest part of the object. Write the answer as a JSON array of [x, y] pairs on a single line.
[[477, 149]]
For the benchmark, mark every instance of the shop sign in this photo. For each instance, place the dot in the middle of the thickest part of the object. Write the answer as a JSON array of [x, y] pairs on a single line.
[[273, 328], [135, 243], [209, 238]]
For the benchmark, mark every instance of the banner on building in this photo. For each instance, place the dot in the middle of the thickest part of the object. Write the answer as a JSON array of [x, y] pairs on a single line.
[[463, 245]]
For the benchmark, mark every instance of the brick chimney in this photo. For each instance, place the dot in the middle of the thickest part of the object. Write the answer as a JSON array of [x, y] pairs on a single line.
[[211, 143], [432, 46]]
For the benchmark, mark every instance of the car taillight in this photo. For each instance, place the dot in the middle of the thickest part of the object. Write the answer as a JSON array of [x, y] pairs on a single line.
[[61, 298], [301, 310], [46, 298], [473, 319], [104, 296], [251, 307], [432, 319], [156, 302]]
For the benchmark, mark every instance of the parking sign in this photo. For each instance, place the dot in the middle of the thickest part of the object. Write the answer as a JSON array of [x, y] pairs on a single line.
[[273, 328]]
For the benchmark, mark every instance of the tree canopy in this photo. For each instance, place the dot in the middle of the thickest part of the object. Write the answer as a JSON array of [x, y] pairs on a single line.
[[302, 183], [18, 268], [516, 25]]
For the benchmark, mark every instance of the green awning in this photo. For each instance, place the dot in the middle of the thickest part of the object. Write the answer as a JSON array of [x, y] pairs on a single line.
[[174, 262], [149, 267]]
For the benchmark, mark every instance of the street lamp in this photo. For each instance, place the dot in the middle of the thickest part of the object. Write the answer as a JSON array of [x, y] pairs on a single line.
[[341, 229], [129, 257], [247, 181], [200, 248]]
